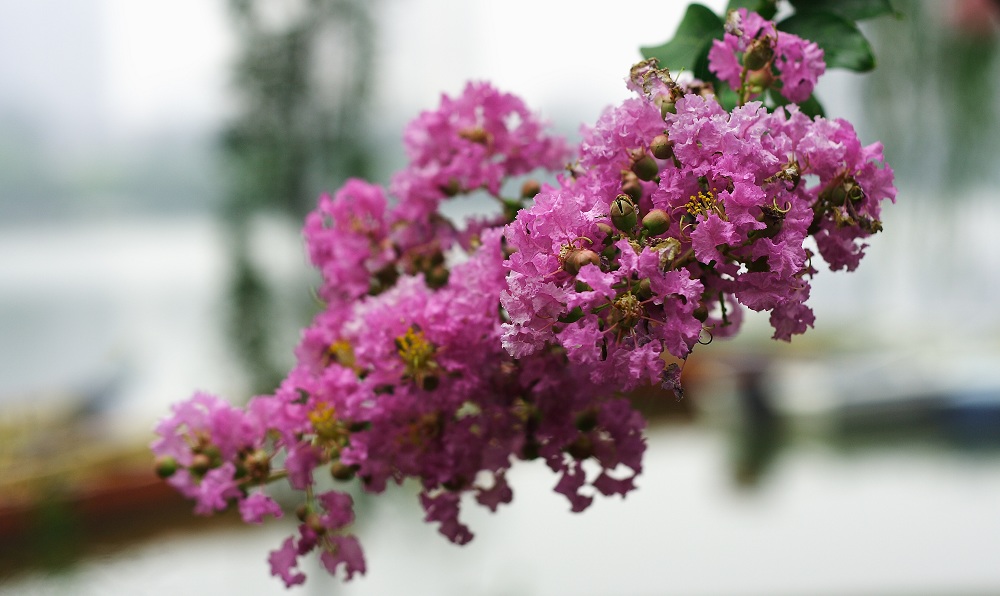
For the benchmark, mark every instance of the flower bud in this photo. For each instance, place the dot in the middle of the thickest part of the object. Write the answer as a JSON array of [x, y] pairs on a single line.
[[666, 105], [341, 471], [644, 289], [201, 463], [661, 147], [701, 313], [759, 54], [656, 222], [605, 229], [645, 168], [623, 214], [437, 277], [582, 448], [452, 188], [530, 188], [586, 420], [165, 466], [759, 80], [631, 186], [576, 259]]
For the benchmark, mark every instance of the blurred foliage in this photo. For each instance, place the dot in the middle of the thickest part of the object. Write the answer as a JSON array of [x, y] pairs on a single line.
[[302, 78], [933, 101]]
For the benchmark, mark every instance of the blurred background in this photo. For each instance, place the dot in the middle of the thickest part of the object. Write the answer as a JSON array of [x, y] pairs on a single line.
[[157, 158]]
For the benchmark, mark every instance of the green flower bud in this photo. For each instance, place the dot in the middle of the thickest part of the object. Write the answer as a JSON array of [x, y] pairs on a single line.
[[644, 289], [661, 147], [342, 471], [605, 229], [623, 214], [586, 420], [759, 54], [645, 168], [165, 466], [656, 222]]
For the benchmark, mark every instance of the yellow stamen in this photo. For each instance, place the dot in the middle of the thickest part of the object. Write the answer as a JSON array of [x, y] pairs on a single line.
[[417, 354], [705, 203]]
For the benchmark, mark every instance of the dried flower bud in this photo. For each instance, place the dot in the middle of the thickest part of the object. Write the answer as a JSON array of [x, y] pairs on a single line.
[[623, 214], [656, 222]]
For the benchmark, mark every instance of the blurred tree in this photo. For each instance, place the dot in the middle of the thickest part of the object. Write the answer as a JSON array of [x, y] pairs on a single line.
[[934, 98], [302, 78]]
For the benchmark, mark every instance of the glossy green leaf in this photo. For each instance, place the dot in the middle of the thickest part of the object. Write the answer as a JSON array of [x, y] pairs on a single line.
[[692, 40], [765, 8], [844, 46], [852, 10]]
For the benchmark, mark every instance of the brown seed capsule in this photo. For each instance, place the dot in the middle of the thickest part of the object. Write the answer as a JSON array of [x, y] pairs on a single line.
[[656, 222]]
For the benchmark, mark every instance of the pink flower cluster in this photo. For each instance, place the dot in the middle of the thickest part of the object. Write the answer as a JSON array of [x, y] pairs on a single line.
[[445, 371], [752, 45]]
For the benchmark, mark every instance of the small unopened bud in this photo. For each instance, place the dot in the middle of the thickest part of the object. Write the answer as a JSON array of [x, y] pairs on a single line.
[[302, 512], [586, 420], [530, 188], [759, 80], [437, 277], [632, 187], [576, 259], [341, 471], [165, 466], [666, 104], [644, 289], [661, 147], [452, 188], [581, 448], [429, 382], [759, 54], [605, 229], [201, 463], [315, 523], [645, 168], [623, 214], [701, 313], [656, 222]]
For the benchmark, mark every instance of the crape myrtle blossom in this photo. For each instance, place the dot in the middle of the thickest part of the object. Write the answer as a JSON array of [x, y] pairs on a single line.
[[674, 216], [752, 45]]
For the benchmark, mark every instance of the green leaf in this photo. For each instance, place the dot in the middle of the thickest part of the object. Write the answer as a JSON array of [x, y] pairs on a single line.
[[852, 10], [844, 46], [810, 107], [693, 39], [765, 8]]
